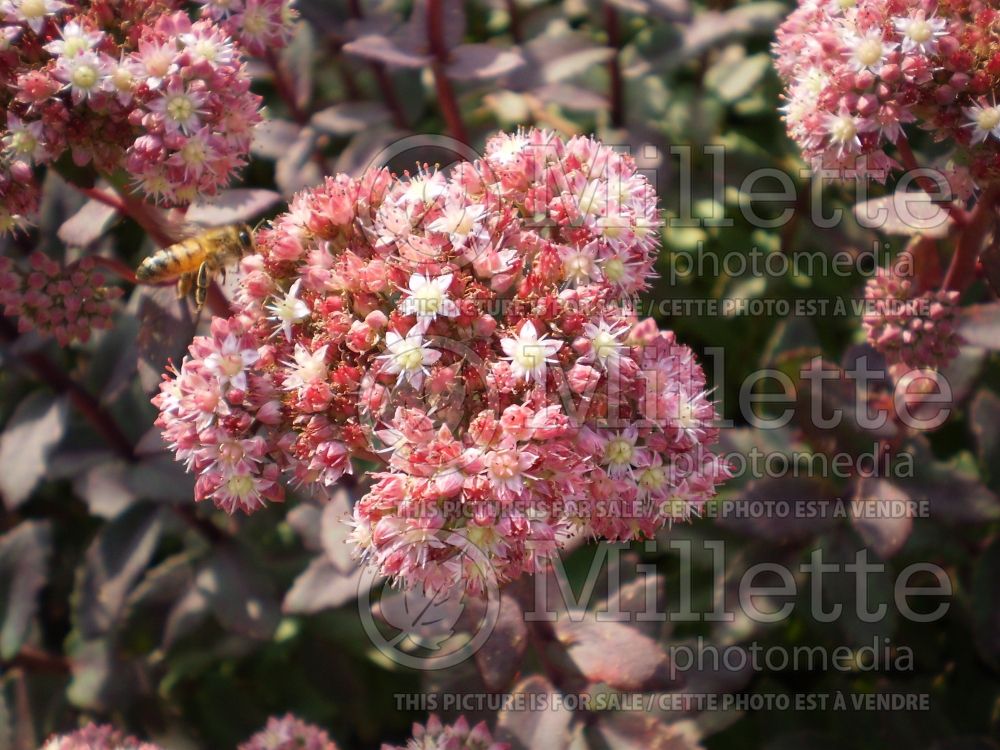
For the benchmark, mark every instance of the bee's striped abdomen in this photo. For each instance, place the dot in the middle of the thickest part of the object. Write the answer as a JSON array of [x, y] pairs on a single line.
[[171, 262]]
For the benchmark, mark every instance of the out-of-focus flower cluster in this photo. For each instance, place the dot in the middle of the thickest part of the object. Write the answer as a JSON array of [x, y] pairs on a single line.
[[289, 733], [96, 737], [859, 72], [475, 332], [68, 302], [131, 88], [457, 736], [258, 25], [915, 330]]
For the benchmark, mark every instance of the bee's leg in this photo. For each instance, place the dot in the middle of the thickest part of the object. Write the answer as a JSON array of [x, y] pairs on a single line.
[[184, 285], [201, 286]]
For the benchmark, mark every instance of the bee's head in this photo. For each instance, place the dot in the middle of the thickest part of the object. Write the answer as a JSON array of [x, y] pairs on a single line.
[[245, 234]]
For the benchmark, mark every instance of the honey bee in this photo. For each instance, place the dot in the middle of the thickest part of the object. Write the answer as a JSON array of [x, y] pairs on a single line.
[[195, 261]]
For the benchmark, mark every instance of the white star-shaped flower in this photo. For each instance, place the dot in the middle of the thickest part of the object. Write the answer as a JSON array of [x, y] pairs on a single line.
[[529, 354], [428, 298], [408, 357], [985, 121], [605, 346], [230, 362], [307, 368], [289, 310]]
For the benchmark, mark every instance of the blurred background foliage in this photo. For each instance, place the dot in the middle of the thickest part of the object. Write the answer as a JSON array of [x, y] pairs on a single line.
[[122, 601]]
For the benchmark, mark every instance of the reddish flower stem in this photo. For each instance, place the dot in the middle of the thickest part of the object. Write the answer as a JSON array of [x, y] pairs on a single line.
[[33, 659], [102, 196], [439, 50], [617, 92], [116, 267], [981, 221], [515, 21]]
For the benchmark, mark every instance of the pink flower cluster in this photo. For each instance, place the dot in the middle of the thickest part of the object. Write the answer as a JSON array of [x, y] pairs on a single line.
[[457, 736], [289, 732], [258, 25], [473, 334], [68, 302], [860, 72], [132, 85], [914, 330], [96, 737]]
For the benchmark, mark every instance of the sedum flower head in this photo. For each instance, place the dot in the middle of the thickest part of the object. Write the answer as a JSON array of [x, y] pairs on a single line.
[[859, 75], [142, 90], [911, 329], [458, 736], [289, 732], [431, 323], [96, 737], [68, 303]]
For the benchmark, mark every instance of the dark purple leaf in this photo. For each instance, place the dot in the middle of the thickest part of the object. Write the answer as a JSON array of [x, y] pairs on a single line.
[[836, 397], [453, 21], [322, 585], [101, 677], [527, 730], [984, 417], [639, 731], [668, 10], [105, 488], [392, 51], [482, 62], [712, 29], [334, 531], [113, 563], [349, 118], [840, 587], [33, 430], [165, 330], [24, 555], [986, 604], [979, 325], [571, 97], [905, 213], [238, 595], [297, 168], [273, 138], [425, 618], [231, 206], [954, 491], [297, 60], [553, 58], [638, 600], [499, 659], [364, 149], [807, 501], [305, 520], [188, 612], [88, 224], [880, 512], [615, 653]]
